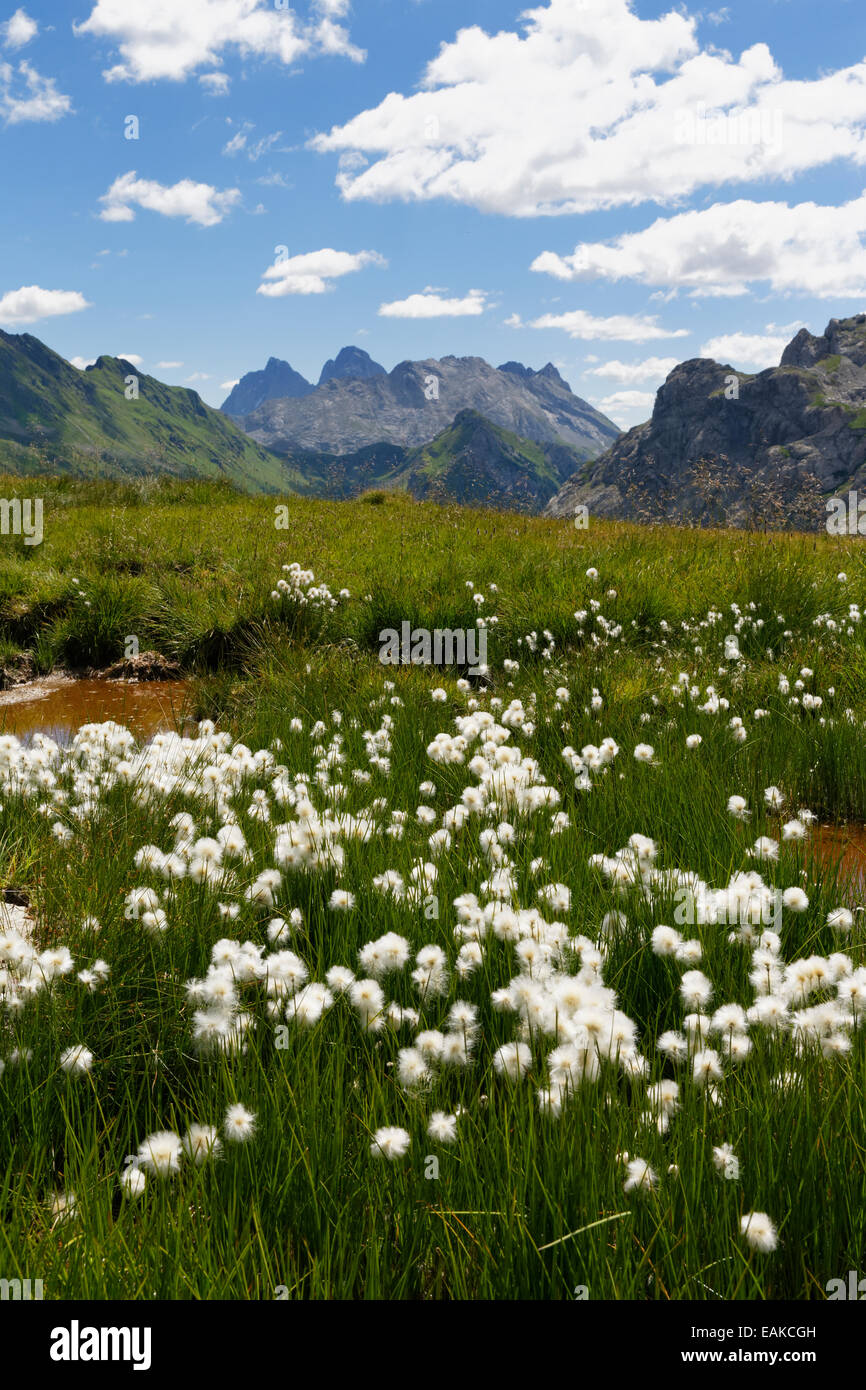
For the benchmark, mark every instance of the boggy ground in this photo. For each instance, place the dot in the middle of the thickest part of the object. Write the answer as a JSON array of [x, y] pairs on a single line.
[[392, 984]]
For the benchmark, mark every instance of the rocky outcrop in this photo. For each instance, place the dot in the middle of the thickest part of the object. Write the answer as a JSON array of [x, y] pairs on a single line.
[[727, 447]]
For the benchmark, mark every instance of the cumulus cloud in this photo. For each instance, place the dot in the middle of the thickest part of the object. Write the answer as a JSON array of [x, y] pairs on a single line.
[[31, 303], [630, 328], [198, 376], [314, 271], [589, 106], [167, 39], [169, 366], [18, 30], [25, 95], [758, 350], [650, 369], [200, 203], [626, 408], [627, 400], [724, 249], [131, 357], [82, 362], [229, 385], [431, 305]]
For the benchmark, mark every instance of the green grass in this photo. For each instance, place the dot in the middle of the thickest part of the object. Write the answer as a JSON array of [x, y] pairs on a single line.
[[524, 1205]]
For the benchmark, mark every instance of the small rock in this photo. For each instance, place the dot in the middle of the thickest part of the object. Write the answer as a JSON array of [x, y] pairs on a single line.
[[147, 666]]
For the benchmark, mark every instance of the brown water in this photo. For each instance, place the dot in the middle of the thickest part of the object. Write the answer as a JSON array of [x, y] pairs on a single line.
[[845, 845], [58, 706]]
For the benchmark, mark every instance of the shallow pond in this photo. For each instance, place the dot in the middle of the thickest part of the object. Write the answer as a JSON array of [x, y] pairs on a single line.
[[845, 845], [59, 705]]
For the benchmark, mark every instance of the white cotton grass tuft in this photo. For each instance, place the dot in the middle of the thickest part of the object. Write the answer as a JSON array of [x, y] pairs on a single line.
[[76, 1061], [759, 1232], [63, 1206], [160, 1153], [390, 1142], [442, 1127], [239, 1124], [200, 1143], [640, 1176], [726, 1162], [513, 1060], [133, 1181]]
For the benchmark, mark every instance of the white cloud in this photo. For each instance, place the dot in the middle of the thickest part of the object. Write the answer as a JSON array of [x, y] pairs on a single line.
[[199, 376], [30, 96], [332, 39], [229, 385], [170, 366], [588, 106], [627, 408], [314, 272], [82, 362], [18, 30], [197, 202], [168, 39], [238, 140], [651, 369], [627, 400], [216, 84], [431, 305], [31, 303], [722, 250], [254, 151], [131, 357], [747, 349], [630, 328]]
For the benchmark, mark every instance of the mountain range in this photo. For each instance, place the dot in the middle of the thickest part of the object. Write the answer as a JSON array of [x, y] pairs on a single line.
[[414, 402], [111, 420], [724, 446]]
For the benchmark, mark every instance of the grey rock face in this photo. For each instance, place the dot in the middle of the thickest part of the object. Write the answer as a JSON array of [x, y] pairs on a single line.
[[417, 400], [728, 447], [277, 379], [350, 362]]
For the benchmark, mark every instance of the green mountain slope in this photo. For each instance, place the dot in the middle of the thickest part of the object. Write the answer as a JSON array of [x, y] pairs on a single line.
[[57, 419], [472, 461]]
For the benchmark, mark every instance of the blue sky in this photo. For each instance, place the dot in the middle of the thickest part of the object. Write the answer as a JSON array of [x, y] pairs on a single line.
[[607, 185]]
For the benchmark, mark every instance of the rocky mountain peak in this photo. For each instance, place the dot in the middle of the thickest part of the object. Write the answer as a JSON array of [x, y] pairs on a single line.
[[350, 362], [841, 338]]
